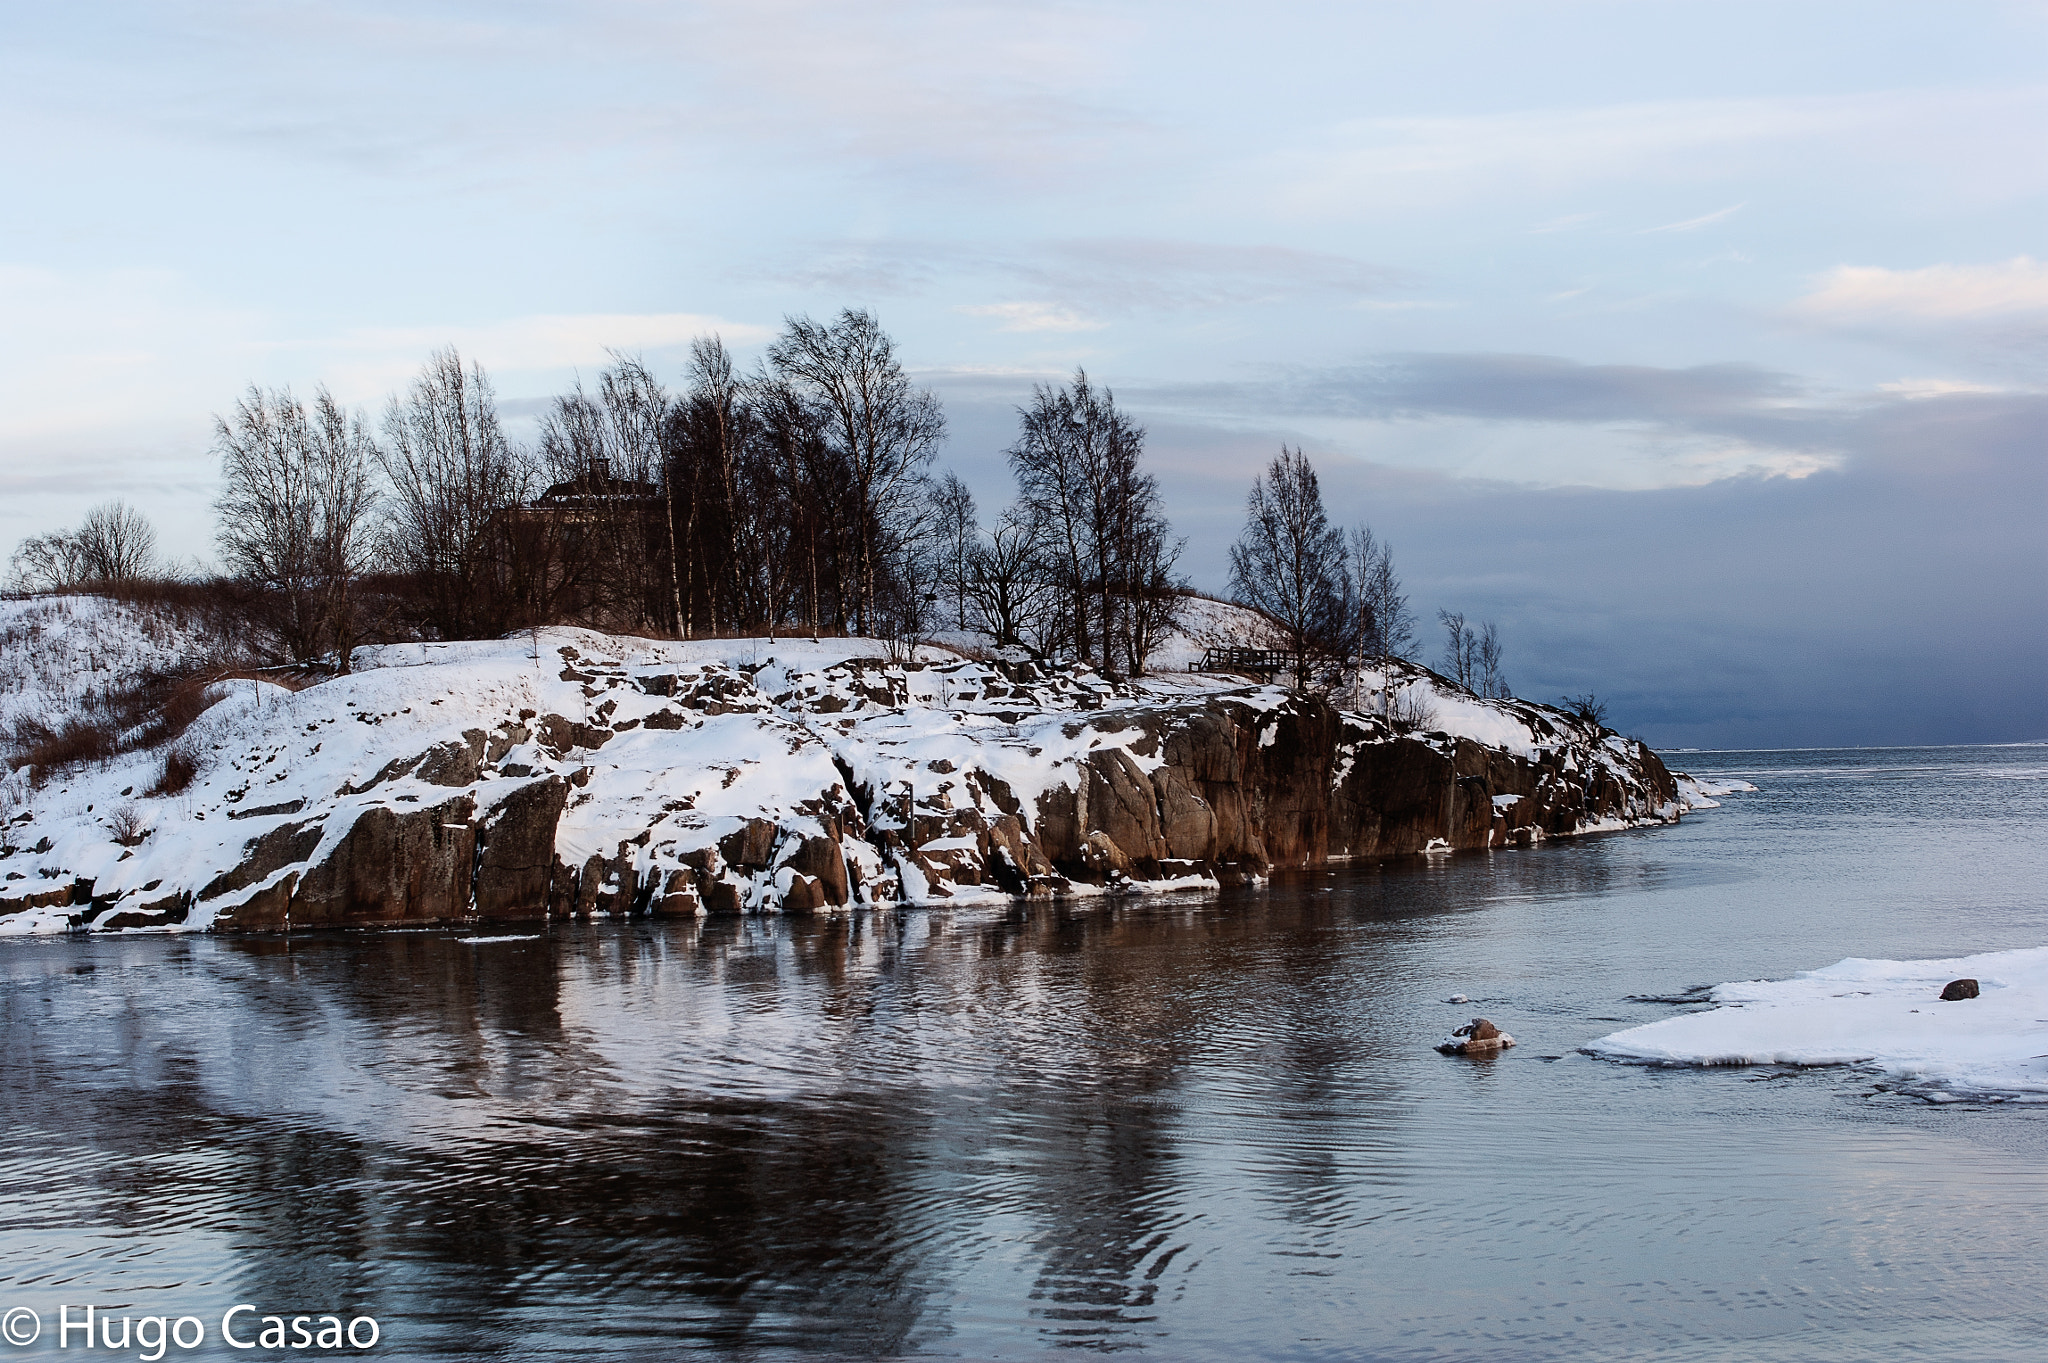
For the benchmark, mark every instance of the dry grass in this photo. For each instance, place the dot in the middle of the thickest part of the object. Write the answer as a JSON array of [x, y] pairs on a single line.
[[82, 682], [179, 769]]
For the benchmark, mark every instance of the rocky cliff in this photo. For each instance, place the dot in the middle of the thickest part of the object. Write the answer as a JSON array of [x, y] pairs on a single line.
[[573, 773]]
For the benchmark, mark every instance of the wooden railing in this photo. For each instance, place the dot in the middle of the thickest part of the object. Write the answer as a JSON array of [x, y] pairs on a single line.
[[1261, 662]]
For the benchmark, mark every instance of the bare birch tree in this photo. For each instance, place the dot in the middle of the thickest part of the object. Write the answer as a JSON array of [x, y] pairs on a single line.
[[294, 512], [452, 473], [883, 429], [1290, 562], [959, 535], [1385, 629]]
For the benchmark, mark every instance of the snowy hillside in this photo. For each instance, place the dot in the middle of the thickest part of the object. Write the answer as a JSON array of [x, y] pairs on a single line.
[[62, 657], [573, 772]]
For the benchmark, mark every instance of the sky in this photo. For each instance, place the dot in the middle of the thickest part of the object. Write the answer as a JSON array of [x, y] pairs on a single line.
[[1699, 346]]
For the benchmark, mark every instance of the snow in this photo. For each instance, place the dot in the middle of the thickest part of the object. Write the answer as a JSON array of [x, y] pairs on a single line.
[[1886, 1017], [1205, 624], [1699, 792], [688, 742], [63, 654]]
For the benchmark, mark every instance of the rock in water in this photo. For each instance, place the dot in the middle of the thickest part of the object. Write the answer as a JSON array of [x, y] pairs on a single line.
[[1475, 1038], [1457, 998], [1956, 990]]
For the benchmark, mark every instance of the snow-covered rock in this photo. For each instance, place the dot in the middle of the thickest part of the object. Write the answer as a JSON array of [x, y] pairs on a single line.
[[571, 772], [1699, 792], [1885, 1016], [1477, 1037]]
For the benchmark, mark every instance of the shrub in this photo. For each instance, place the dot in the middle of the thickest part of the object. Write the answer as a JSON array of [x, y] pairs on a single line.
[[127, 826], [1587, 709], [179, 769], [81, 740]]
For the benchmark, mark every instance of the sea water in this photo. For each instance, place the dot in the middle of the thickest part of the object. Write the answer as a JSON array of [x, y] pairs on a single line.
[[1200, 1127]]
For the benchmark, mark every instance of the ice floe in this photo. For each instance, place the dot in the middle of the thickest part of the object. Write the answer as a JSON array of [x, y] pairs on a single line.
[[1883, 1016]]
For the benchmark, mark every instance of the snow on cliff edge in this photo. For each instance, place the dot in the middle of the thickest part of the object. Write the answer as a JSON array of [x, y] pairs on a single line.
[[668, 746]]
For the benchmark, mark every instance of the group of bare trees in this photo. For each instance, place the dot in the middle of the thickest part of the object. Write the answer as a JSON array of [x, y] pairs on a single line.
[[114, 544], [1335, 596], [294, 509], [1083, 562], [798, 496], [1472, 656]]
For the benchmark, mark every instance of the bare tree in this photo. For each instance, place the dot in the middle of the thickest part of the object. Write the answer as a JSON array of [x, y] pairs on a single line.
[[452, 475], [959, 535], [46, 563], [294, 510], [1097, 516], [1492, 684], [1290, 562], [883, 429], [1472, 657], [603, 455], [1586, 708], [116, 543], [793, 459], [707, 450], [1149, 595], [1385, 628], [1010, 590], [1461, 647]]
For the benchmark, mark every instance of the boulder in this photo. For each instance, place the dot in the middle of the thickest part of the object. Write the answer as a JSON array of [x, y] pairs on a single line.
[[1476, 1037], [1957, 990], [821, 861], [393, 867], [518, 852]]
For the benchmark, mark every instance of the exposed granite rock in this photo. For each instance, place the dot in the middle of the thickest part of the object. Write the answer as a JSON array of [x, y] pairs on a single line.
[[1121, 787]]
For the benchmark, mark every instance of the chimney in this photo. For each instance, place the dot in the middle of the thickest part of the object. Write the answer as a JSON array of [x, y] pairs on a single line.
[[600, 471]]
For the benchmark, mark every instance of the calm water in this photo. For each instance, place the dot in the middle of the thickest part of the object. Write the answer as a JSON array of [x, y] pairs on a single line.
[[1201, 1128]]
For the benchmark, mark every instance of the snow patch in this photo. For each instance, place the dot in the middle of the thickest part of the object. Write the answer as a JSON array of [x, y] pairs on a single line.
[[1882, 1016]]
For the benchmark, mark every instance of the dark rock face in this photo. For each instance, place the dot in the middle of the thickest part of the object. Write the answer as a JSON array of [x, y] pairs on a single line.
[[1219, 787], [516, 860], [821, 861], [1955, 991]]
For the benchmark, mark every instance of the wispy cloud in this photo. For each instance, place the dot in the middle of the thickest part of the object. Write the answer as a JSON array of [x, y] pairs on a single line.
[[1859, 293], [1034, 317], [1378, 165], [1694, 224], [1083, 278], [1569, 222], [1515, 388], [543, 341]]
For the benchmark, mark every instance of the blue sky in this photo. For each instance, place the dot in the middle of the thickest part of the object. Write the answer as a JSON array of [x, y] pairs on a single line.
[[1699, 345]]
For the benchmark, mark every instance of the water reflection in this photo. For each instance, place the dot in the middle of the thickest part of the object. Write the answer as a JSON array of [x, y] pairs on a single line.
[[1208, 1125]]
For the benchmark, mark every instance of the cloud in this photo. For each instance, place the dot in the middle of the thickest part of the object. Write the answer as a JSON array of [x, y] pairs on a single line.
[[1034, 317], [1933, 388], [1724, 398], [544, 341], [1744, 612], [1694, 224], [1079, 278], [1373, 165], [1991, 318], [2017, 288]]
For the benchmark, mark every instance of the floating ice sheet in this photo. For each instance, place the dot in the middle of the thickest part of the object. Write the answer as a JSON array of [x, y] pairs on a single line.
[[1885, 1016]]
